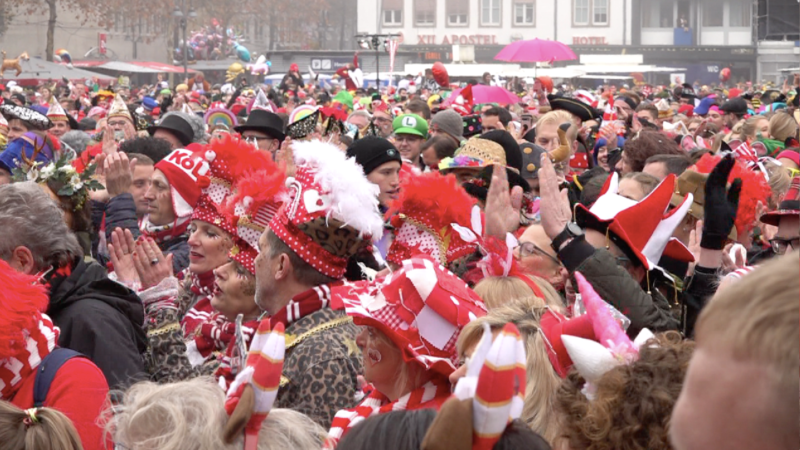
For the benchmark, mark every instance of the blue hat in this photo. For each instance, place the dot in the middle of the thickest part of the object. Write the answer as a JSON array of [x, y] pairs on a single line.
[[149, 103], [11, 157], [39, 109], [705, 105]]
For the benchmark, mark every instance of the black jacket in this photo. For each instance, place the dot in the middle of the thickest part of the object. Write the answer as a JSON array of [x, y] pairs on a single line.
[[101, 319], [618, 288], [120, 212], [699, 287]]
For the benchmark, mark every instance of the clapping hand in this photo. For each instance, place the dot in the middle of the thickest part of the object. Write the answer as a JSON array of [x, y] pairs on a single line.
[[150, 263]]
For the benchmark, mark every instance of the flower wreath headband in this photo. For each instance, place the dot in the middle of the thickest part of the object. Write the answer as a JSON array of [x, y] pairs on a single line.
[[60, 171]]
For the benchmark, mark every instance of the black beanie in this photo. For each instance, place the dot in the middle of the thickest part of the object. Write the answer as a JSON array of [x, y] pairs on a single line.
[[509, 144], [371, 152]]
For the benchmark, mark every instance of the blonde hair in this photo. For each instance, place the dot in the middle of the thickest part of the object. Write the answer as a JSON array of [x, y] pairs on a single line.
[[497, 291], [190, 415], [748, 130], [782, 126], [779, 182], [558, 117], [48, 430], [543, 381], [757, 321]]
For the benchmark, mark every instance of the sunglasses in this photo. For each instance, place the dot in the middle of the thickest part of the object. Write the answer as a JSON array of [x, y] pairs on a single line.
[[780, 245]]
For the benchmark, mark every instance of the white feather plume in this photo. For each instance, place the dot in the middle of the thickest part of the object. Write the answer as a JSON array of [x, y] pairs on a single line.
[[354, 198]]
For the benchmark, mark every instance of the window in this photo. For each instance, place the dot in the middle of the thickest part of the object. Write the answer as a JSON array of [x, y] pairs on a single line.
[[457, 12], [590, 12], [657, 14], [524, 12], [393, 12], [490, 12], [739, 13], [600, 12], [712, 13], [424, 13], [581, 12]]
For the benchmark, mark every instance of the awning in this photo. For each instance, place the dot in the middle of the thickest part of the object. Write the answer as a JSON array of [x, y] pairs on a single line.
[[132, 66], [624, 68], [160, 67], [35, 71]]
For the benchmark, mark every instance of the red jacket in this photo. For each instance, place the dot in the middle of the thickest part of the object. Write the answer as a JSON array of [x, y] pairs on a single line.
[[79, 390]]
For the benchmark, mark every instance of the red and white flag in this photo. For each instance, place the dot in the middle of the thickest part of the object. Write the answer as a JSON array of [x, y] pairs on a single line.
[[391, 46]]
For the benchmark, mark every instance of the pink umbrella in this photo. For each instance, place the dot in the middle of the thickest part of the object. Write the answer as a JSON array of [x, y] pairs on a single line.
[[535, 50], [485, 94]]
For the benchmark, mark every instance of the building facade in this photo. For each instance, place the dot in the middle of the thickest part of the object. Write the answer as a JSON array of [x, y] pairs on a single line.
[[703, 36]]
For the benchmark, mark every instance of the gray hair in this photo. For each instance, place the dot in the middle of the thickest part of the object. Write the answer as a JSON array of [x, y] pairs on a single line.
[[190, 415], [76, 140], [30, 218], [359, 113], [196, 122]]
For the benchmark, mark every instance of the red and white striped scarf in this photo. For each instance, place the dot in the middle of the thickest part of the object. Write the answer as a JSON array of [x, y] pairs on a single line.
[[14, 370], [306, 303], [201, 286], [432, 394]]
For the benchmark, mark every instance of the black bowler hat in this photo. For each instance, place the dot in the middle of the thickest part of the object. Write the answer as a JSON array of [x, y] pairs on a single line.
[[176, 125], [265, 122]]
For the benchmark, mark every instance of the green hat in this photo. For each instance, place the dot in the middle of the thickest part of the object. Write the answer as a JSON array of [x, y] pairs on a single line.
[[345, 98], [410, 124]]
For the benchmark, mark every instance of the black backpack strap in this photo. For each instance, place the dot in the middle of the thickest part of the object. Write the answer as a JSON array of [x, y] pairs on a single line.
[[46, 372]]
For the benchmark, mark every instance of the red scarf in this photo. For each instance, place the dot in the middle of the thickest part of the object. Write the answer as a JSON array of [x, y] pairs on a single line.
[[164, 233], [306, 303], [216, 337], [14, 370], [432, 394], [202, 286]]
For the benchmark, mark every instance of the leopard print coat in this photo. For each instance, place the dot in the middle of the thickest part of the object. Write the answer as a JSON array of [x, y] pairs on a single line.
[[166, 359], [321, 366]]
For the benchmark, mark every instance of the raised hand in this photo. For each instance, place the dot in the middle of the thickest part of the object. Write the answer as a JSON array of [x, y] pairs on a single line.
[[120, 249], [151, 264]]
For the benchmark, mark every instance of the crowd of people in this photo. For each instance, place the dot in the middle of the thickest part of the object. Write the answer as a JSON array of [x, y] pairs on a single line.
[[319, 266]]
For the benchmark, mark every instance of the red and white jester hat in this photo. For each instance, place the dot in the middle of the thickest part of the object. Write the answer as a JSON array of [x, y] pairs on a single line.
[[332, 210], [644, 228], [421, 308]]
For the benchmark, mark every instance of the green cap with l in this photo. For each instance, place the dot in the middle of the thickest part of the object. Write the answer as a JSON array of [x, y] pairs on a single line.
[[410, 124]]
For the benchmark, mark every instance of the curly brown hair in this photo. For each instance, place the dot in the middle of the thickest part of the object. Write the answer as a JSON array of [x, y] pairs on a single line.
[[633, 403], [646, 144]]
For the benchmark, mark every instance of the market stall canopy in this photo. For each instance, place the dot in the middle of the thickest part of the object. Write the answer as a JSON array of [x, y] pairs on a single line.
[[35, 71], [614, 68], [465, 70], [131, 66]]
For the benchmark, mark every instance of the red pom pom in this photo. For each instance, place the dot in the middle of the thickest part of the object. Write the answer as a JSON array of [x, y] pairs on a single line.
[[754, 189]]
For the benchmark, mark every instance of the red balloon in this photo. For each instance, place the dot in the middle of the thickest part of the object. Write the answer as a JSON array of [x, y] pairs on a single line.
[[440, 74], [725, 74]]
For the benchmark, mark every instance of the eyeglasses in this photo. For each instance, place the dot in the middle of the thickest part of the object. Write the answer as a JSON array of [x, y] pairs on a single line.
[[116, 124], [779, 245], [254, 140], [527, 249], [793, 172]]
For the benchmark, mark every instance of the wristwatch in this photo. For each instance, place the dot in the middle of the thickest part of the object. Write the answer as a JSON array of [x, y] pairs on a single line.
[[571, 231]]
